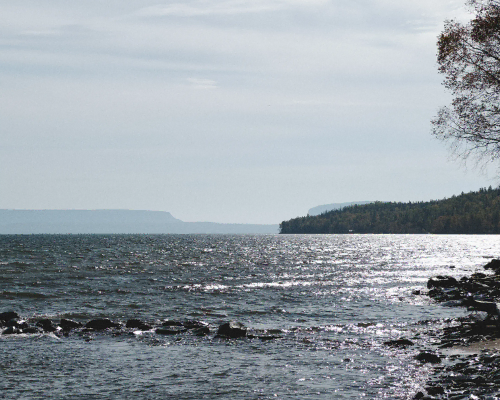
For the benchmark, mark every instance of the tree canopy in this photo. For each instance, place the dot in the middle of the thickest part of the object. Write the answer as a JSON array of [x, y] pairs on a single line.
[[469, 58], [468, 213]]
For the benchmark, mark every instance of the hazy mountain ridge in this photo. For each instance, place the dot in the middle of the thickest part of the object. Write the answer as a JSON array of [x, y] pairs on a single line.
[[114, 222], [334, 206]]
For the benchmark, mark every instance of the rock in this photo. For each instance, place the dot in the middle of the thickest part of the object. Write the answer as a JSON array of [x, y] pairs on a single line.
[[32, 330], [133, 323], [68, 324], [402, 343], [442, 282], [8, 315], [268, 337], [428, 357], [203, 331], [193, 324], [46, 325], [493, 264], [11, 330], [170, 331], [232, 330], [12, 322], [433, 390], [171, 323], [137, 324], [101, 324]]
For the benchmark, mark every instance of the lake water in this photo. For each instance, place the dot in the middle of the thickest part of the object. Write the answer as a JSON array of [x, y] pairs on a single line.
[[332, 301]]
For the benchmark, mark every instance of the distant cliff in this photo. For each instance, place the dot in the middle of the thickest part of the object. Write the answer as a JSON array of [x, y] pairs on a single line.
[[469, 213], [113, 222]]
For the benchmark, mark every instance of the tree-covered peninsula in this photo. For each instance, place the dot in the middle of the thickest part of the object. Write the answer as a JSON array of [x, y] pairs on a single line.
[[469, 213]]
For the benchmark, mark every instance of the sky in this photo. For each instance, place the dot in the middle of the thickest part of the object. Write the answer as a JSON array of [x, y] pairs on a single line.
[[242, 111]]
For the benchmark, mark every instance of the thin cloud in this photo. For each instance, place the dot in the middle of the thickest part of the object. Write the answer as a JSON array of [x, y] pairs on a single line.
[[202, 83], [205, 8]]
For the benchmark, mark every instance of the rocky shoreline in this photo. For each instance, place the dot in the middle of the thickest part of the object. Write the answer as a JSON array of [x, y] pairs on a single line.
[[12, 324], [463, 370], [460, 368]]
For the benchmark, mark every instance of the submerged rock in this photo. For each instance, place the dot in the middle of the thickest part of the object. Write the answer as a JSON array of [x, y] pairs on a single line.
[[232, 330]]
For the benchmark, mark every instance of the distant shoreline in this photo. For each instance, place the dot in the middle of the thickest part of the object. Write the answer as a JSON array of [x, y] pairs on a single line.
[[60, 222]]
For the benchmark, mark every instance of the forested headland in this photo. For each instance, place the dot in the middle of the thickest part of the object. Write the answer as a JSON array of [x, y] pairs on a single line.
[[469, 213]]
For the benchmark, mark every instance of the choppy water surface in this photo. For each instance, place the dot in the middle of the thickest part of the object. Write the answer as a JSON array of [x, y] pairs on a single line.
[[334, 300]]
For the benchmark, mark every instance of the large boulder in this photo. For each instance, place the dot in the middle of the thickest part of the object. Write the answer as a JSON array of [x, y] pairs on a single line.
[[232, 330]]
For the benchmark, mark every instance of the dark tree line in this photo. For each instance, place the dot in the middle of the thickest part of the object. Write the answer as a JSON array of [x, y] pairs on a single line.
[[468, 213]]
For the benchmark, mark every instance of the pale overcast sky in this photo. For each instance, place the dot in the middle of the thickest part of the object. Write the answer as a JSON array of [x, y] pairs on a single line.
[[228, 111]]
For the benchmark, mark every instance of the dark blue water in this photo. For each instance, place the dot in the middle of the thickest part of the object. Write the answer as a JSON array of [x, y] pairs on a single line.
[[332, 301]]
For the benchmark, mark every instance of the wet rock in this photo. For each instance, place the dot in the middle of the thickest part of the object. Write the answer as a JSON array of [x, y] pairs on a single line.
[[7, 316], [442, 282], [12, 322], [268, 337], [232, 330], [493, 265], [399, 343], [203, 331], [428, 357], [46, 325], [11, 330], [101, 324], [32, 330], [138, 324], [171, 323], [133, 323], [68, 324], [193, 324], [170, 330], [434, 390]]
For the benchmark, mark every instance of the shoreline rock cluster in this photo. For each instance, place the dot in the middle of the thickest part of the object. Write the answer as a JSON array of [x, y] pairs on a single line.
[[12, 324], [462, 374]]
